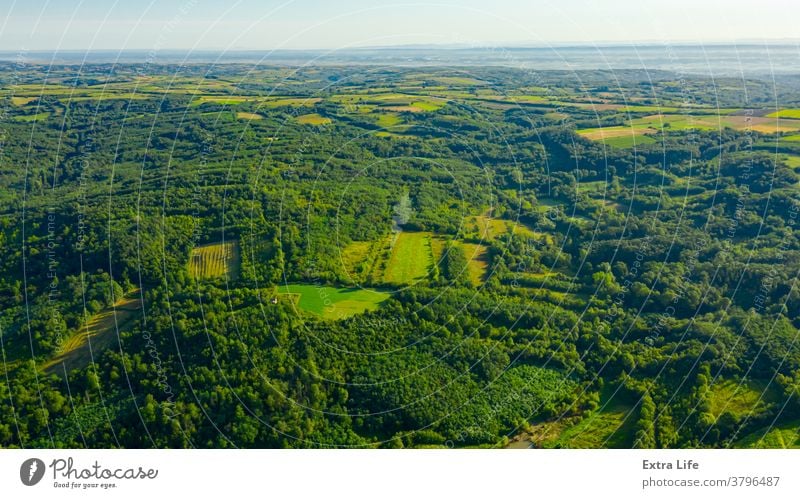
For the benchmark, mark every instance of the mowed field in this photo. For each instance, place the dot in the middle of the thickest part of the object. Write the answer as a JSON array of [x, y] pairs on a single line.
[[99, 334], [218, 260], [404, 258], [332, 303], [410, 258]]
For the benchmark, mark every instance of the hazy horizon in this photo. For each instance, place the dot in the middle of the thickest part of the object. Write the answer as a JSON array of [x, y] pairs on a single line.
[[315, 25], [705, 60]]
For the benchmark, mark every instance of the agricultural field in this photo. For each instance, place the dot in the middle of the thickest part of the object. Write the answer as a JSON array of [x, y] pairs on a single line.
[[785, 114], [313, 119], [220, 99], [288, 102], [215, 261], [20, 101], [638, 130], [609, 132], [249, 116], [332, 303]]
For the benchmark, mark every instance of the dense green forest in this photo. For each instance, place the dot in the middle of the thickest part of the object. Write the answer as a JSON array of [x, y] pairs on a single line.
[[218, 256]]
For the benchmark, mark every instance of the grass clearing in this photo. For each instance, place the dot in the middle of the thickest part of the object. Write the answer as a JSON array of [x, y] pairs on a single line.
[[438, 245], [215, 260], [388, 120], [477, 262], [410, 258], [101, 97], [358, 259], [428, 105], [528, 99], [791, 160], [249, 116], [32, 117], [290, 102], [332, 303], [388, 134], [97, 335], [609, 132], [611, 426], [728, 396], [220, 99], [785, 114], [313, 119], [629, 142], [485, 227], [20, 101]]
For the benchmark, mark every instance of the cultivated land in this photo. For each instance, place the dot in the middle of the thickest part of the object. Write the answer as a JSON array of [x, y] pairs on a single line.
[[785, 113], [313, 119], [640, 130], [248, 115], [218, 260]]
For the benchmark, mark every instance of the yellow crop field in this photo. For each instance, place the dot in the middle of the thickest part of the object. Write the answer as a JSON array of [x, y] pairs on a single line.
[[312, 119], [22, 100], [249, 116], [216, 260]]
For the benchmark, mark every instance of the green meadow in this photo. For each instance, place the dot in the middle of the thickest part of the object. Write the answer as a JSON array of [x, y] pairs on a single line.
[[332, 303]]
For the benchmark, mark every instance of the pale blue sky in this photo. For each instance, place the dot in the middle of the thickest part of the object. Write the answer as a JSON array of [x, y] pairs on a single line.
[[337, 24]]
